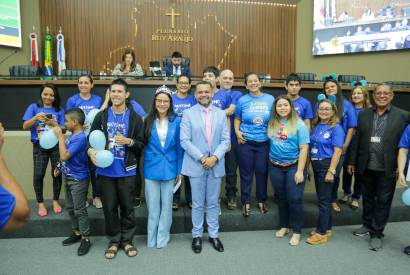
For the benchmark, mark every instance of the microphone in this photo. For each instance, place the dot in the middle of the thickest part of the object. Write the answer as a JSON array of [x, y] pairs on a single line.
[[7, 57]]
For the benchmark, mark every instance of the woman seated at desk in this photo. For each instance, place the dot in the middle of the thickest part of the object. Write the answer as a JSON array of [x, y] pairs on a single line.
[[128, 66]]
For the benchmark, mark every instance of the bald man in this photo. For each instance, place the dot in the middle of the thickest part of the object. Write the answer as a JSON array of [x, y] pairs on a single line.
[[226, 80]]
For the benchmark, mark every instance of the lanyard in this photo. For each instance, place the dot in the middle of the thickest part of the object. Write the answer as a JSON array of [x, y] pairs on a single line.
[[117, 123]]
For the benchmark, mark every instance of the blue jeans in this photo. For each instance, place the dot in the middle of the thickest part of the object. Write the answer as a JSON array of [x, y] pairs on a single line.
[[289, 196], [205, 193], [324, 195], [336, 181], [158, 195]]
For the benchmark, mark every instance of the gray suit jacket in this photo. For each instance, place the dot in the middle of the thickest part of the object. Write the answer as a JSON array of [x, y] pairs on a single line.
[[195, 143]]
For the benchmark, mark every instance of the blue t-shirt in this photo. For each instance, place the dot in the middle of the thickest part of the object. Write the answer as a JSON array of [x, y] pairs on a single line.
[[254, 113], [117, 123], [349, 115], [405, 141], [357, 111], [76, 101], [303, 108], [138, 108], [284, 146], [323, 139], [77, 166], [181, 104], [235, 95], [221, 99], [39, 127], [7, 205]]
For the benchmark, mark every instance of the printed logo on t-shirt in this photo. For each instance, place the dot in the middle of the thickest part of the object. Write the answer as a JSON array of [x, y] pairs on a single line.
[[113, 129], [282, 133], [258, 120], [326, 135]]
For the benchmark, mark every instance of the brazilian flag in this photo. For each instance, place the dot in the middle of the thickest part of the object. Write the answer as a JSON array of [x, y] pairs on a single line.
[[48, 54]]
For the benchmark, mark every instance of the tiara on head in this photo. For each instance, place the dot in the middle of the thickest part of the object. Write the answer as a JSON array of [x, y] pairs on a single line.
[[163, 89]]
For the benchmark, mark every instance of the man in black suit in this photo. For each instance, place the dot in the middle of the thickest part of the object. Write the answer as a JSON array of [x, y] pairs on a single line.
[[374, 160], [176, 67]]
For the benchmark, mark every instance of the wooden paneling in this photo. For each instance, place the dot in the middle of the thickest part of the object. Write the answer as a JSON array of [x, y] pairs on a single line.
[[241, 35]]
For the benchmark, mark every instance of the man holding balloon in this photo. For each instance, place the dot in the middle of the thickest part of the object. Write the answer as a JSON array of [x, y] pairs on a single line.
[[116, 141]]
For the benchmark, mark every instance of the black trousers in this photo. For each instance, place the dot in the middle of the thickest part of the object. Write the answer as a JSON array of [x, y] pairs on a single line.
[[118, 192], [138, 180], [231, 166], [378, 192], [40, 161]]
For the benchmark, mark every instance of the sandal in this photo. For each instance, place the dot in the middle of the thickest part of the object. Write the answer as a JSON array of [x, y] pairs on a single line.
[[262, 207], [111, 251], [246, 210], [354, 204], [130, 250], [336, 207], [282, 232]]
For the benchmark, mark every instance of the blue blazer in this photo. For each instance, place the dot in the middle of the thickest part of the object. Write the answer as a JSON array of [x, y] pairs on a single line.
[[195, 143], [164, 163], [184, 70]]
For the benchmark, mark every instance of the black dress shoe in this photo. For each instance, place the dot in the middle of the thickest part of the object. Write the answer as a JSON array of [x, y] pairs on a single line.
[[407, 250], [72, 239], [197, 245], [216, 244], [84, 247]]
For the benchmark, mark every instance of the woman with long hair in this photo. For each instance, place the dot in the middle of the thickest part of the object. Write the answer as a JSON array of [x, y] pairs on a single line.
[[348, 121], [128, 66], [162, 166], [360, 100], [38, 118], [289, 145]]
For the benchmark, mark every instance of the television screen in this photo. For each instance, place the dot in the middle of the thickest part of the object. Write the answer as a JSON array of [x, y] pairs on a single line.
[[10, 25], [351, 26]]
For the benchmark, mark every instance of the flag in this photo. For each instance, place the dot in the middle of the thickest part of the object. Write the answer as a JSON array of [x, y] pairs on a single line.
[[60, 52], [34, 50], [48, 54]]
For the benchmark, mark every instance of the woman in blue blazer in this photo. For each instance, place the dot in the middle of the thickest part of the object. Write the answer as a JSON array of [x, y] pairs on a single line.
[[162, 166]]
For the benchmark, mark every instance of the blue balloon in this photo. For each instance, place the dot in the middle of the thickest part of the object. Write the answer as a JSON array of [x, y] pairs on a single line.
[[91, 115], [406, 197], [48, 139], [104, 158], [97, 140]]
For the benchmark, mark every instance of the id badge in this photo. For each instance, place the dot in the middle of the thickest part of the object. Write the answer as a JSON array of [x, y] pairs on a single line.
[[375, 139], [314, 151]]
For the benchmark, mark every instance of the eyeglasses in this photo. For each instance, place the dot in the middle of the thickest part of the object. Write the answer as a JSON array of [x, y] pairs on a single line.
[[160, 101], [325, 109], [380, 93]]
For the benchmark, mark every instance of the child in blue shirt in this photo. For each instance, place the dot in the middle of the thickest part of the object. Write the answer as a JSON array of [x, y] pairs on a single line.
[[87, 102], [75, 176], [38, 118]]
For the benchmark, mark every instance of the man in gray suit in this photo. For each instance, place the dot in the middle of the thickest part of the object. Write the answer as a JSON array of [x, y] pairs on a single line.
[[373, 159], [205, 139]]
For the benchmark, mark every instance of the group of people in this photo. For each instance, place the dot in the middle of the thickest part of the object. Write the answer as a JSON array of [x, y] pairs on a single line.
[[200, 138]]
